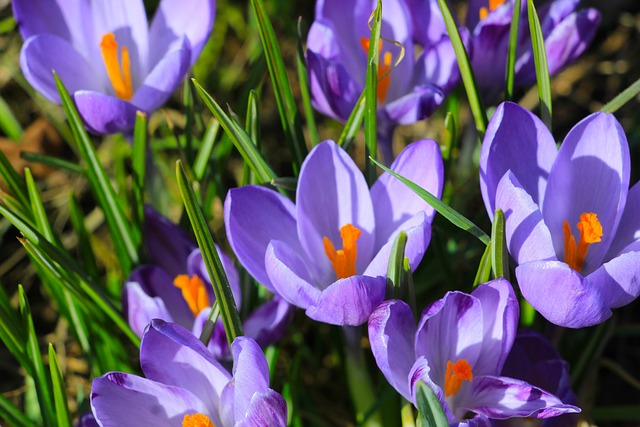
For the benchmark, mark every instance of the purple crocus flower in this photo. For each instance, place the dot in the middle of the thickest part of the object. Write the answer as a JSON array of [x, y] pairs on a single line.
[[176, 288], [107, 55], [186, 386], [328, 252], [572, 224], [459, 348], [337, 47]]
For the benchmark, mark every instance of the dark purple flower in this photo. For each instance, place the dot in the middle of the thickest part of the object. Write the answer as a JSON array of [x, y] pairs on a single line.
[[459, 349], [107, 55], [328, 252], [176, 288], [572, 224], [186, 386]]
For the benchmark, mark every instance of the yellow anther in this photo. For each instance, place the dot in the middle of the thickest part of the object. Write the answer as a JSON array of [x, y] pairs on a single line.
[[120, 76], [455, 375], [196, 420], [590, 232], [344, 260], [384, 65], [493, 5], [193, 292]]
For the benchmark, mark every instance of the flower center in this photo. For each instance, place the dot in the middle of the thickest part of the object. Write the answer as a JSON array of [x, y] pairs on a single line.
[[343, 260], [119, 75], [590, 232], [384, 65], [493, 5], [196, 420], [193, 292], [455, 375]]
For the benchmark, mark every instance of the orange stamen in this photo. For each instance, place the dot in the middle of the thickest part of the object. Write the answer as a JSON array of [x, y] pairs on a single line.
[[493, 5], [590, 232], [343, 260], [193, 292], [384, 65], [196, 420], [120, 77], [455, 375]]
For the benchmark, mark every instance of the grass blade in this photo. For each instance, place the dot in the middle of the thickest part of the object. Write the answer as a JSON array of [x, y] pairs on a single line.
[[139, 163], [499, 253], [87, 255], [305, 91], [54, 162], [371, 95], [395, 268], [511, 53], [13, 415], [622, 98], [542, 68], [353, 124], [484, 268], [59, 393], [13, 180], [8, 122], [431, 412], [199, 167]]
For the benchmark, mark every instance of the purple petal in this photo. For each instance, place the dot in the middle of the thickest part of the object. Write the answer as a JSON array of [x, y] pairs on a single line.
[[141, 308], [250, 374], [266, 409], [332, 193], [519, 141], [628, 232], [253, 216], [591, 174], [418, 103], [500, 322], [196, 266], [218, 344], [268, 323], [349, 301], [289, 275], [502, 397], [428, 23], [163, 79], [438, 65], [125, 400], [395, 203], [174, 356], [104, 114], [44, 53], [392, 330], [528, 237], [175, 19], [618, 280], [55, 17], [421, 371], [576, 302]]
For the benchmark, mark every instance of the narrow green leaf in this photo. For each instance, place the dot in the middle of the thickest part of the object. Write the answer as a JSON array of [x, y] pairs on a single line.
[[468, 78], [210, 323], [499, 253], [252, 124], [442, 208], [37, 209], [199, 167], [371, 97], [219, 281], [240, 138], [85, 249], [287, 183], [187, 100], [305, 91], [622, 98], [542, 68], [484, 268], [511, 53], [13, 180], [287, 105], [527, 314], [51, 161], [353, 124], [138, 163], [12, 330], [13, 415], [59, 392], [395, 268], [116, 221], [429, 408], [8, 122]]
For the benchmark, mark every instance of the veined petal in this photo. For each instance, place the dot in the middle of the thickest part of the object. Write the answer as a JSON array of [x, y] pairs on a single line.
[[250, 374], [349, 301], [438, 64], [142, 308], [103, 114], [195, 265], [421, 371], [414, 104], [268, 323], [618, 280], [428, 24], [392, 330], [629, 228], [265, 409], [591, 174], [54, 17]]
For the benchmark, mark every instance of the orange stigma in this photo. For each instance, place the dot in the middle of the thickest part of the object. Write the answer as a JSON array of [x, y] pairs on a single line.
[[196, 420], [384, 65], [590, 232], [455, 375], [344, 260], [193, 292], [120, 76], [493, 5]]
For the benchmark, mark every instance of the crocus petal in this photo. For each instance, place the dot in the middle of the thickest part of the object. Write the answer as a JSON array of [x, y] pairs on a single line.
[[438, 65], [265, 409], [104, 114], [142, 308], [289, 275], [196, 265], [349, 301], [502, 397], [55, 17], [618, 280], [628, 231], [392, 329], [421, 371], [164, 78], [500, 322], [331, 193], [517, 140], [253, 216], [575, 303], [250, 373], [194, 19], [395, 203], [44, 53], [428, 23], [125, 400], [590, 174], [528, 237], [268, 323], [419, 103], [218, 344], [165, 344]]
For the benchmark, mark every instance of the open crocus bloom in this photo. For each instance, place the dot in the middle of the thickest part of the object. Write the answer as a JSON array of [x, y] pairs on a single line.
[[176, 288], [572, 224], [337, 47], [328, 252], [459, 348], [107, 55], [186, 386]]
